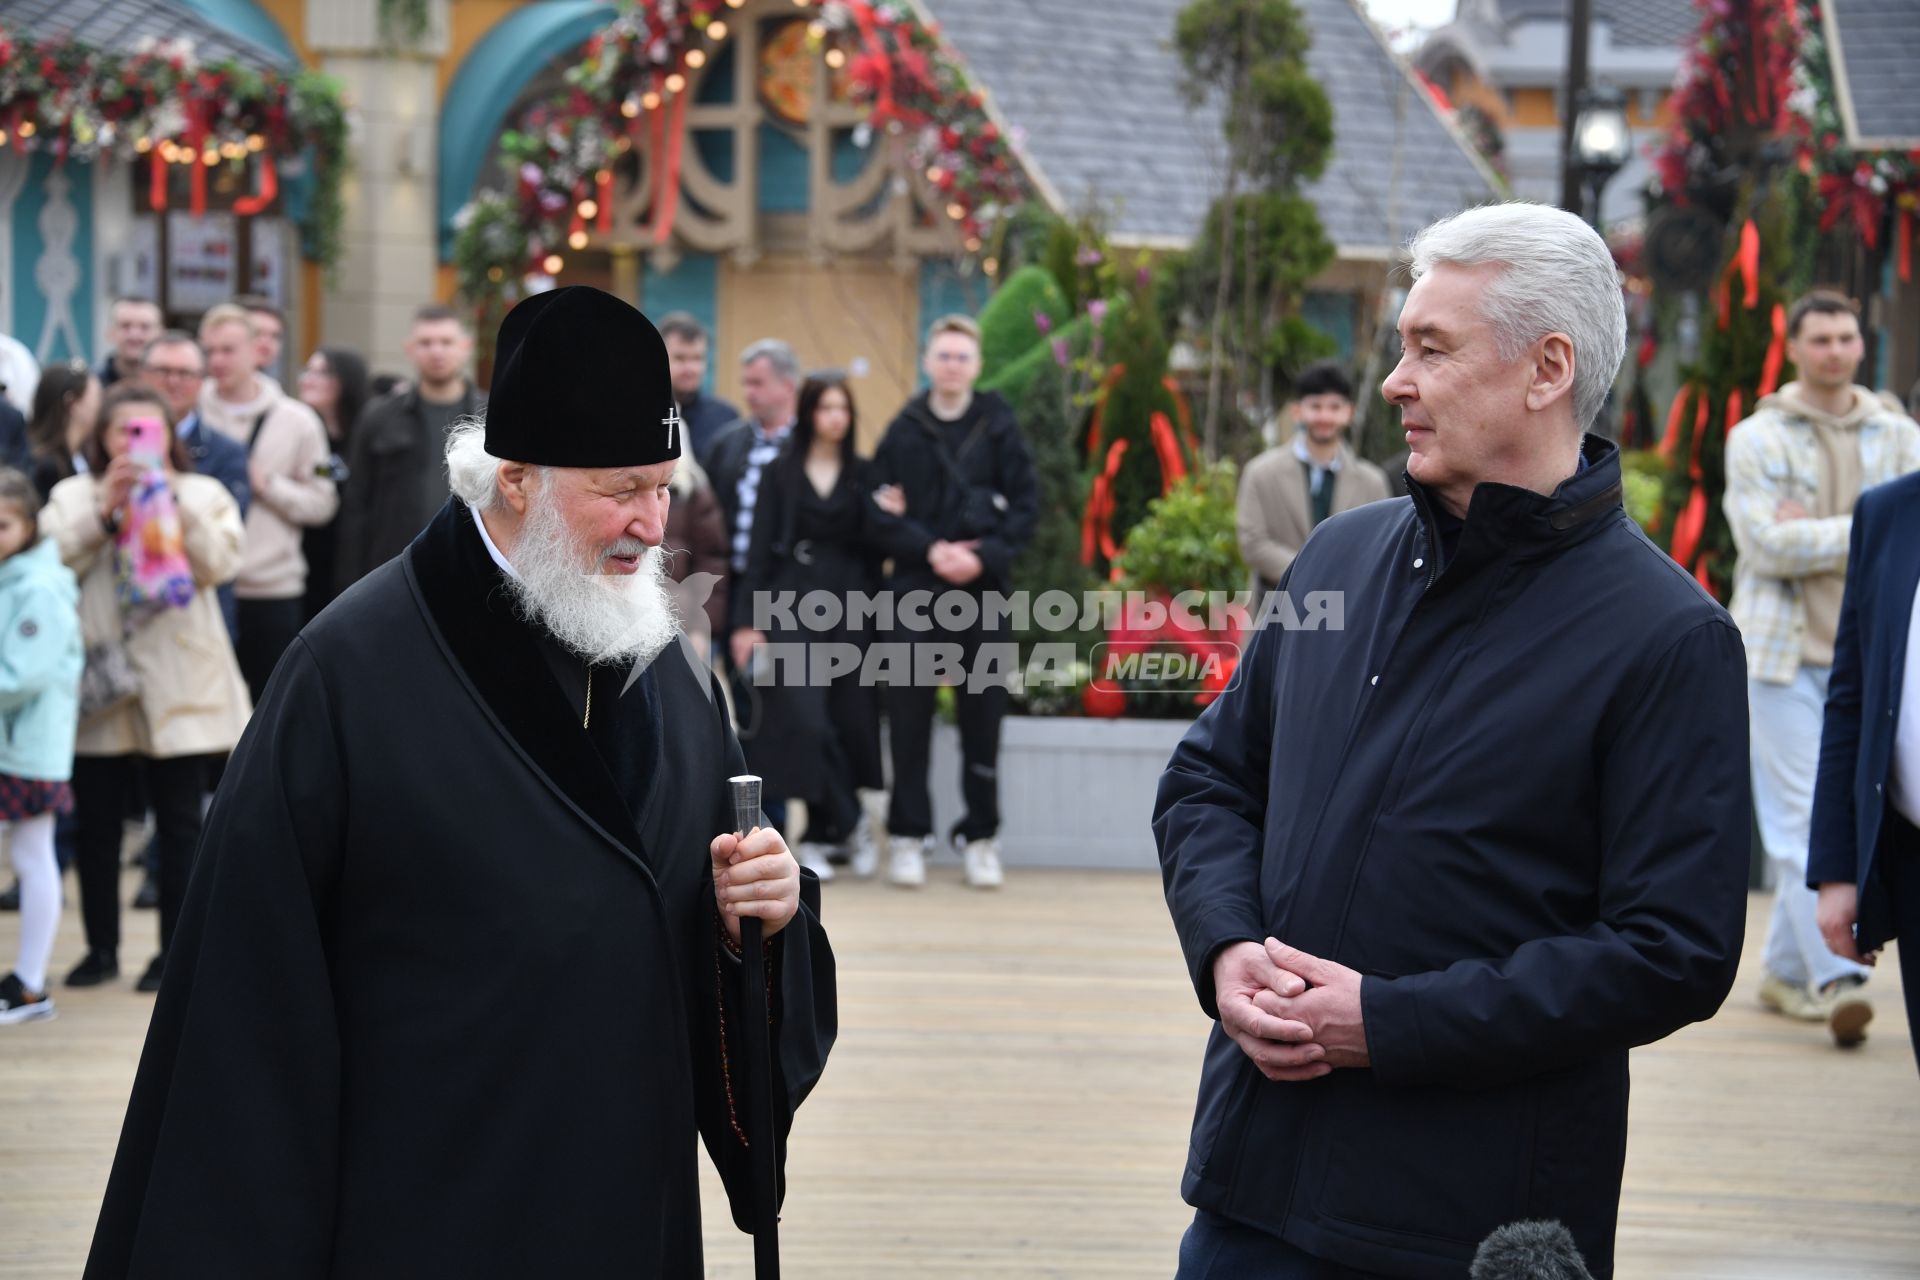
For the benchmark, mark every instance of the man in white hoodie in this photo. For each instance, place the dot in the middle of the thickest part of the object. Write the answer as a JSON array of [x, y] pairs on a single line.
[[288, 465], [1794, 470]]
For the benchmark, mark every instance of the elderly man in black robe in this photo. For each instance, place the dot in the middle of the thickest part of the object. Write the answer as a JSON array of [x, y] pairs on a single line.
[[457, 983]]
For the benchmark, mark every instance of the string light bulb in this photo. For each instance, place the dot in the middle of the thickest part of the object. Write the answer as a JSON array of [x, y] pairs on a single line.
[[552, 263], [577, 241], [629, 108], [589, 209], [956, 211], [143, 145], [717, 30], [836, 58], [28, 128], [676, 82], [256, 143], [651, 102], [696, 58]]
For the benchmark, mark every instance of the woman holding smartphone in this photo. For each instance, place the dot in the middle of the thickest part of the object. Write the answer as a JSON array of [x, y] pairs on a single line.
[[164, 691]]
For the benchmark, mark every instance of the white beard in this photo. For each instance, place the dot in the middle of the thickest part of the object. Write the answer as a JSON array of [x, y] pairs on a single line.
[[603, 617]]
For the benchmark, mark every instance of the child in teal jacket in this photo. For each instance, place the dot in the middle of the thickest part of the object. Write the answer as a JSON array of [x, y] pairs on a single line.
[[40, 661]]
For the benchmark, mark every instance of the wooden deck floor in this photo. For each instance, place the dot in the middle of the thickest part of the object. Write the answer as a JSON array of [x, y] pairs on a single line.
[[1011, 1092]]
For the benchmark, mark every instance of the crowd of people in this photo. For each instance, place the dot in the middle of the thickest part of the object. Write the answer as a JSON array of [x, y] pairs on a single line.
[[282, 499]]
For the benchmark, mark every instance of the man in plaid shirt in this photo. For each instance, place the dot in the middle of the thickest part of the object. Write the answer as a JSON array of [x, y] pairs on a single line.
[[1794, 470]]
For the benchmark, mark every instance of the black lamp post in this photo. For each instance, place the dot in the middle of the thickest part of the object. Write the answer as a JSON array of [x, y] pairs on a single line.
[[1602, 143]]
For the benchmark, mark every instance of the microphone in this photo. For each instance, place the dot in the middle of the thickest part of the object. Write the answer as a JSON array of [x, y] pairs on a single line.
[[1529, 1251]]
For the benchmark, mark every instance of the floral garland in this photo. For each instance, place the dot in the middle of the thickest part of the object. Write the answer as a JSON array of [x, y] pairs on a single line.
[[159, 102], [1793, 100], [1858, 188], [632, 84], [1738, 42]]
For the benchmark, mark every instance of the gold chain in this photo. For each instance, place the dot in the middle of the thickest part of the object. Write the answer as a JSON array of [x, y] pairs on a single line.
[[587, 719]]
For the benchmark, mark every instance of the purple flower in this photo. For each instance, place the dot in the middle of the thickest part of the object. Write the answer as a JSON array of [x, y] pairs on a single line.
[[1144, 275], [1089, 257], [1097, 311], [1062, 354], [1043, 322]]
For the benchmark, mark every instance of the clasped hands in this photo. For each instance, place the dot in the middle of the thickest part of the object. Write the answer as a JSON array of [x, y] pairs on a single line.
[[955, 562], [1297, 1016]]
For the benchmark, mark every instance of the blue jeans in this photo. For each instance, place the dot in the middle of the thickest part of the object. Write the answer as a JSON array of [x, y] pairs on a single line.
[[1217, 1248]]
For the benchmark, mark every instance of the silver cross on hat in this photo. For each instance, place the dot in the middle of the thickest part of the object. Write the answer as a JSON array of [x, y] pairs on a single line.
[[672, 422]]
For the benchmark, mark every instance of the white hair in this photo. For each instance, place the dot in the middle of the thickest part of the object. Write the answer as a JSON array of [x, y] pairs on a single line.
[[558, 583], [1559, 277], [472, 472]]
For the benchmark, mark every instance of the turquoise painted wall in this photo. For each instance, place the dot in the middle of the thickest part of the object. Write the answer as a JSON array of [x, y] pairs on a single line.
[[693, 286], [247, 20], [29, 304]]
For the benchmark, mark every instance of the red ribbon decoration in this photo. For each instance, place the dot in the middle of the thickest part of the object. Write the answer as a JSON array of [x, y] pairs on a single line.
[[603, 196], [157, 180], [1096, 526], [1671, 440], [1183, 412], [1735, 410], [1700, 573], [196, 143], [1172, 467], [1692, 521], [1688, 528], [1749, 260], [1776, 353], [1905, 250], [269, 188], [667, 137]]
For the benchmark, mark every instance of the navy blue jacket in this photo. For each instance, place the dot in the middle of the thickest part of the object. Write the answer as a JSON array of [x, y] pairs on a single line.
[[1512, 793], [224, 459], [1863, 700], [707, 416]]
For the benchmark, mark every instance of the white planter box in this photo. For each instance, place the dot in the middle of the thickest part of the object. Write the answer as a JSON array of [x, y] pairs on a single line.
[[1074, 791]]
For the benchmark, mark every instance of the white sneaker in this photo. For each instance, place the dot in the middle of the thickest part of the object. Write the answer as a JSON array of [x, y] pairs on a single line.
[[813, 856], [863, 853], [906, 862], [982, 859]]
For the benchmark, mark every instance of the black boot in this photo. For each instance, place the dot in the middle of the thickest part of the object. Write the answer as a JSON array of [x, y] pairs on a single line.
[[94, 968]]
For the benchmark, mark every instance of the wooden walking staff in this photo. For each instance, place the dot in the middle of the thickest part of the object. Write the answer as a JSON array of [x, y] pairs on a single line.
[[763, 1183]]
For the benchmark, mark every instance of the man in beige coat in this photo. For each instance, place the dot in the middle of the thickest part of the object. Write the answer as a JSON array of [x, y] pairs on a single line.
[[292, 486], [1289, 489]]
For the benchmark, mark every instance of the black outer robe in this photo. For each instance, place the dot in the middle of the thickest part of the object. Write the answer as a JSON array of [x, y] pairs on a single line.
[[434, 1005]]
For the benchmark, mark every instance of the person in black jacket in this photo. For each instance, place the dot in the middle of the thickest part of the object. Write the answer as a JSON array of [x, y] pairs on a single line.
[[972, 502], [1437, 867], [816, 527], [706, 415], [395, 480]]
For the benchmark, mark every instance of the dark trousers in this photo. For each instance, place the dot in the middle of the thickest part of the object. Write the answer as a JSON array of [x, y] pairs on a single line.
[[1217, 1248], [910, 711], [267, 627], [1900, 873], [100, 787], [851, 749]]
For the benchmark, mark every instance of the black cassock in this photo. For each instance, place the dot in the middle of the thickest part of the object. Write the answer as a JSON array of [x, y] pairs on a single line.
[[439, 1004]]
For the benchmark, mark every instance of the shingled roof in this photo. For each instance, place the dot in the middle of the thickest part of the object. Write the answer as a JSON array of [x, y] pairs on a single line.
[[122, 25], [1875, 46], [1652, 24], [1094, 86]]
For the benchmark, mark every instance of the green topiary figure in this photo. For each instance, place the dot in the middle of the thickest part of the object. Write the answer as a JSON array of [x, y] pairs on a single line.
[[1008, 329]]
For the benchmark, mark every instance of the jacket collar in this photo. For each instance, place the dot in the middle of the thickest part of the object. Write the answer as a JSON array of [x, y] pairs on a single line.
[[467, 597], [1506, 519]]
